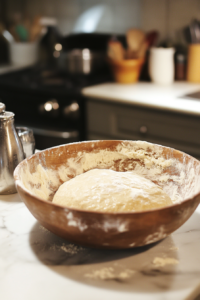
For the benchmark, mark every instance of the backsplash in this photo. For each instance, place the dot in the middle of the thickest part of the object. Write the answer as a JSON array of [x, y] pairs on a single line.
[[169, 16], [115, 16], [112, 16]]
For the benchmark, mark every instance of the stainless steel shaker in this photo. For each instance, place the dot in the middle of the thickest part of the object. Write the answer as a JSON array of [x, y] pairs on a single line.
[[11, 151]]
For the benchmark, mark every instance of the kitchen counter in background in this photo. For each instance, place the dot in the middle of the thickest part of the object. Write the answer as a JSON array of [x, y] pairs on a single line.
[[145, 111], [141, 111], [36, 264], [148, 95]]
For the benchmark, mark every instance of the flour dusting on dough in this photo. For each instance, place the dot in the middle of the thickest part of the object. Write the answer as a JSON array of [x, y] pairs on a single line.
[[110, 191]]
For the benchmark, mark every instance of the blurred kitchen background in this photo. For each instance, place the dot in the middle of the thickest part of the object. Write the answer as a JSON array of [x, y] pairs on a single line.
[[168, 16], [116, 16], [68, 70]]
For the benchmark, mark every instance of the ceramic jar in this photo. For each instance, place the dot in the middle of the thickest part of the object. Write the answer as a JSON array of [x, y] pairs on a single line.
[[161, 65]]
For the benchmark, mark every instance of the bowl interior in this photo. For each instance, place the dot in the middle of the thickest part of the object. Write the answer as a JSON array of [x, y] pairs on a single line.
[[176, 172]]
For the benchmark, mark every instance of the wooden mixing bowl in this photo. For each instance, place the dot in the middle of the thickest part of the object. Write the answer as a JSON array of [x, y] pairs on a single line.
[[45, 171]]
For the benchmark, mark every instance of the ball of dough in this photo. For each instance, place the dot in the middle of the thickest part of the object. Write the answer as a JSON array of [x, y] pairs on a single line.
[[111, 191]]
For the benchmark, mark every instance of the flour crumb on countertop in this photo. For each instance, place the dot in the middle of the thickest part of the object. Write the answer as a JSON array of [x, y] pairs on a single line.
[[68, 248], [71, 248], [174, 248], [44, 229], [110, 274], [161, 262]]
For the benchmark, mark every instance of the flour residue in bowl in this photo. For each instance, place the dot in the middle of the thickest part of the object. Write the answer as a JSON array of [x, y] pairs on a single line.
[[179, 180]]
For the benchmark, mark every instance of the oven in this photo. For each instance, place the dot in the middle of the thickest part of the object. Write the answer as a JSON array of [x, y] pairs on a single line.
[[52, 105], [47, 98]]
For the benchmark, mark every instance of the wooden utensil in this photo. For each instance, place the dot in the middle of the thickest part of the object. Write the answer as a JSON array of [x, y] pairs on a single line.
[[14, 33], [140, 53], [142, 50], [152, 37], [115, 50], [135, 38], [35, 29]]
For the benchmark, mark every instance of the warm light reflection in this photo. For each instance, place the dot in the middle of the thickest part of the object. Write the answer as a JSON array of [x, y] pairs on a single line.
[[58, 47], [48, 106], [56, 54], [86, 54], [74, 106], [55, 105]]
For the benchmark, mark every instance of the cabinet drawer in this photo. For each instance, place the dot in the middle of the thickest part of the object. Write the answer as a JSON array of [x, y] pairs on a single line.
[[165, 127], [118, 120]]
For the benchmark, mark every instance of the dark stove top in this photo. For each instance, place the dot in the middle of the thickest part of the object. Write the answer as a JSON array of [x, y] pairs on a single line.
[[28, 92], [40, 79]]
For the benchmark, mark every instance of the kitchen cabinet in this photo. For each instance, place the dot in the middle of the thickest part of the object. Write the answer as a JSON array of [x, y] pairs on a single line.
[[131, 120], [117, 121]]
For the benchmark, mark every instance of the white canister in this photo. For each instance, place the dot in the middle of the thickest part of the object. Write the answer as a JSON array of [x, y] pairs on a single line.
[[161, 65], [22, 53]]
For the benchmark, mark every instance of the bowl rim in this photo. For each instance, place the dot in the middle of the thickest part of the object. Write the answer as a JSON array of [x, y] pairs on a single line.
[[20, 184]]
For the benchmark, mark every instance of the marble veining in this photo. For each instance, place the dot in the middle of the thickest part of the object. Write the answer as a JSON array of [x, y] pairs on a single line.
[[36, 264]]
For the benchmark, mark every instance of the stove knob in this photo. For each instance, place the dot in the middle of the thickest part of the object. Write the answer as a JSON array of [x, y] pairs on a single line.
[[72, 111], [143, 129], [49, 107]]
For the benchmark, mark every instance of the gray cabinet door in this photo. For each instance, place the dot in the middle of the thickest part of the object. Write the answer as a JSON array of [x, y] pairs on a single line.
[[116, 121]]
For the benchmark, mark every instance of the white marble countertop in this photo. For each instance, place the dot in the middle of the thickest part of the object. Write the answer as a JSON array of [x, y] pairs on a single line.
[[148, 94], [36, 264]]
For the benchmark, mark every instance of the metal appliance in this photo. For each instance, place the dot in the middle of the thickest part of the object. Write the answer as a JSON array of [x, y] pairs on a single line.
[[49, 102], [47, 98], [82, 61]]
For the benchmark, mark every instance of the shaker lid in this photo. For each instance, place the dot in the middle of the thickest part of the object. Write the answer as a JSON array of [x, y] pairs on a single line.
[[2, 107], [7, 115]]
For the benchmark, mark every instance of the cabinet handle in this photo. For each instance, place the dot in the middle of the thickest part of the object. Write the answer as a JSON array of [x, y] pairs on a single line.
[[143, 129]]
